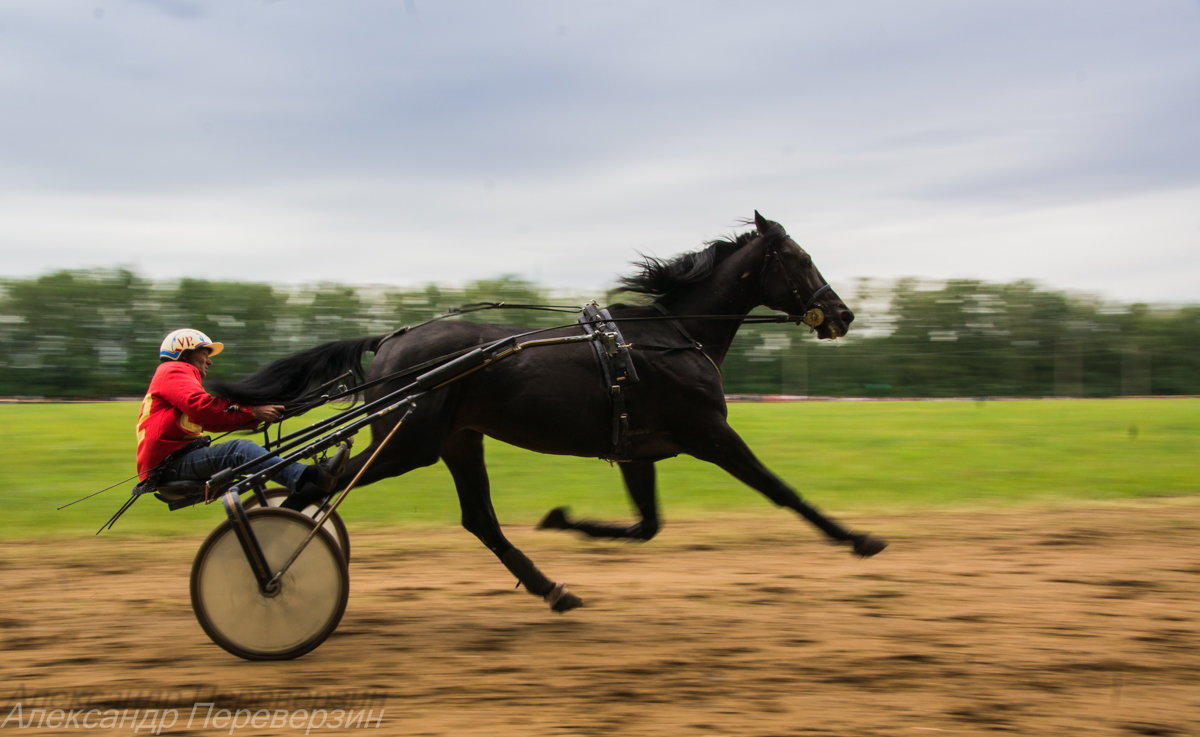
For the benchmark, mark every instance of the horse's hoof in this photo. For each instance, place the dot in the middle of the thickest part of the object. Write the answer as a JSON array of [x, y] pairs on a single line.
[[865, 546], [556, 519], [561, 600]]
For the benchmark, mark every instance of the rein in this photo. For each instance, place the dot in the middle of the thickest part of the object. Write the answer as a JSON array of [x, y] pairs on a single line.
[[811, 315], [304, 404]]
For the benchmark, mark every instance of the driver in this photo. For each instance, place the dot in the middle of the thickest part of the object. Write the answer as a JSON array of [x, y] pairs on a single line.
[[177, 410]]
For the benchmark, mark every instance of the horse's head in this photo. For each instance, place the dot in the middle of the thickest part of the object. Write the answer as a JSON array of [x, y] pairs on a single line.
[[792, 284]]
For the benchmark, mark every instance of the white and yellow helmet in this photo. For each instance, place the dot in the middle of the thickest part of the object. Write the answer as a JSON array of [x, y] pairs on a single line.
[[186, 339]]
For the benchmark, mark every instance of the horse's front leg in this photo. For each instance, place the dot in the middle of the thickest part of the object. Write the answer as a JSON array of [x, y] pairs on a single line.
[[463, 454], [725, 448], [640, 483]]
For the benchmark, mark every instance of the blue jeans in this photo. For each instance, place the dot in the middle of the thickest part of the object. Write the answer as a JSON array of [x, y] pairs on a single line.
[[202, 463]]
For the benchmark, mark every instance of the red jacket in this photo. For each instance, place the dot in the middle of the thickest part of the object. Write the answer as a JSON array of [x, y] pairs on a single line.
[[177, 410]]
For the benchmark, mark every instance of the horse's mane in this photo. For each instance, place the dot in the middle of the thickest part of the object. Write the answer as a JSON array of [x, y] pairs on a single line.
[[659, 277], [292, 377]]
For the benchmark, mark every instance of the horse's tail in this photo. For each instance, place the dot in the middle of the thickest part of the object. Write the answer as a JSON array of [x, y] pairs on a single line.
[[289, 378]]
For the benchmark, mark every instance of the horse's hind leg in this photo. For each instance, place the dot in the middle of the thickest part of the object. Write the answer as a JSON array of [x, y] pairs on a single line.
[[408, 449], [404, 452], [725, 448], [463, 454], [639, 482]]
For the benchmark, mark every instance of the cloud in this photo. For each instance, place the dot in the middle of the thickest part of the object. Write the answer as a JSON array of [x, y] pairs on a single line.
[[411, 142]]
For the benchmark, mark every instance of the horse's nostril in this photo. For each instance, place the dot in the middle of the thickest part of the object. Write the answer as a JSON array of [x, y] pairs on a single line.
[[847, 317]]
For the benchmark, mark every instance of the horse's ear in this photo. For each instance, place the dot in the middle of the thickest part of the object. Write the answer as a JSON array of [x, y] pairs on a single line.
[[760, 222]]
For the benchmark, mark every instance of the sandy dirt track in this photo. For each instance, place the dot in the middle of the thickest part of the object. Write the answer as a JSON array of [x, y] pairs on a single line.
[[1079, 620]]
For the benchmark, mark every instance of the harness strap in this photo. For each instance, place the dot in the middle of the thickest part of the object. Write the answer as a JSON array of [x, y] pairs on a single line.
[[616, 368], [695, 344], [811, 315]]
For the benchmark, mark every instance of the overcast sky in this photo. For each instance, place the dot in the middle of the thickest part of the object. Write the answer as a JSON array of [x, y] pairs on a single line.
[[409, 141]]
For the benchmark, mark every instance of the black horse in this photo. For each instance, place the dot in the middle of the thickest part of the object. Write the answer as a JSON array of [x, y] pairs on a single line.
[[554, 400]]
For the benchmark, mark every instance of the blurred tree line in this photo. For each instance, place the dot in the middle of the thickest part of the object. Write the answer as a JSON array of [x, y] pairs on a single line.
[[90, 334]]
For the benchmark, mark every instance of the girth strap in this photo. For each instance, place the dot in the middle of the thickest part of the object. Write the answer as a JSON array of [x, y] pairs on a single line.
[[616, 368], [693, 343]]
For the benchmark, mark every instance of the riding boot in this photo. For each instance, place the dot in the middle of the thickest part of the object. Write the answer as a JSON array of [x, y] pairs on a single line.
[[314, 487], [317, 482]]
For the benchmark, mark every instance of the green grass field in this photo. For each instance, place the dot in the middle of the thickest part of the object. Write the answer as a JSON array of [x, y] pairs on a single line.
[[845, 457]]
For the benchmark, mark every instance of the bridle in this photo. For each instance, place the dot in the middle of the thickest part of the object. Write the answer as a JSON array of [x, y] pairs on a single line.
[[811, 315]]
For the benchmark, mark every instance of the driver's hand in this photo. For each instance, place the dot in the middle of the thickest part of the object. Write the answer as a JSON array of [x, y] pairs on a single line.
[[267, 412]]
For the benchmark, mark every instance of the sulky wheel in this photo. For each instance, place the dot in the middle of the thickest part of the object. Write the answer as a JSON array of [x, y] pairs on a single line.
[[334, 525], [292, 620]]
